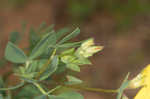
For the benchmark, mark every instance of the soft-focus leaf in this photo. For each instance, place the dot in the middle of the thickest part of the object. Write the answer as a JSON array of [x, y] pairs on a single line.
[[82, 61], [41, 97], [73, 67], [54, 97], [71, 95], [14, 54], [51, 68], [33, 37], [41, 27], [27, 92], [67, 95], [43, 45], [70, 36], [73, 80], [68, 52], [14, 37], [49, 29], [62, 32], [68, 45]]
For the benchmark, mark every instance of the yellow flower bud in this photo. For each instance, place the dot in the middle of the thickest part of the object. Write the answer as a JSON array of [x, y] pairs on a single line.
[[87, 43], [87, 49]]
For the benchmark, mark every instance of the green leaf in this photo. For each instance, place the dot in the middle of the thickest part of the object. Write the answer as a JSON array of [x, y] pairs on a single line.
[[123, 87], [33, 37], [68, 45], [27, 92], [41, 97], [49, 29], [51, 68], [73, 67], [71, 95], [62, 32], [14, 54], [70, 36], [73, 80], [82, 61], [54, 97], [43, 44], [68, 52], [14, 37], [41, 27]]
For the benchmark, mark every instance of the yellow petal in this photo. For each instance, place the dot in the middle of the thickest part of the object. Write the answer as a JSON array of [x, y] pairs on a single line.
[[141, 94], [144, 93], [146, 75]]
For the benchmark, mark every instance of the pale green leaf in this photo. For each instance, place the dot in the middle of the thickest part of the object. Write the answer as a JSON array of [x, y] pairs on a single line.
[[14, 54], [71, 95], [73, 80], [73, 67], [51, 68], [70, 36], [43, 45]]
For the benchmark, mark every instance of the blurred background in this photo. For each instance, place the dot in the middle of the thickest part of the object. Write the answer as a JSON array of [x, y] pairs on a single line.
[[121, 26]]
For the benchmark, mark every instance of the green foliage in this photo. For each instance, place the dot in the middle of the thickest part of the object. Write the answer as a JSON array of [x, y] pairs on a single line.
[[47, 68], [14, 54], [49, 39]]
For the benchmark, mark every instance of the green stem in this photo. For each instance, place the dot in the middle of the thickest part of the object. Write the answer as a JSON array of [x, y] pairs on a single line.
[[94, 89], [44, 67], [40, 88], [54, 89], [12, 88]]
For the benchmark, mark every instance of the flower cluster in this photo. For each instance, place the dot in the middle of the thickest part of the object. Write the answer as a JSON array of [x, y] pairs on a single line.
[[73, 58], [88, 48]]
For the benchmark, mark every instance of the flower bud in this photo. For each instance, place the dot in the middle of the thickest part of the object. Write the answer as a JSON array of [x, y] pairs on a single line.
[[87, 43], [136, 82], [87, 49]]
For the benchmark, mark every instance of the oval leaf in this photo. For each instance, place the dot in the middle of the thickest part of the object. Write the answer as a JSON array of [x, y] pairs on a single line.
[[73, 80], [14, 54]]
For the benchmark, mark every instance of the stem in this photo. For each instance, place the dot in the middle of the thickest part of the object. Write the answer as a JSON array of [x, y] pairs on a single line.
[[14, 87], [40, 88], [44, 67], [94, 89], [54, 89]]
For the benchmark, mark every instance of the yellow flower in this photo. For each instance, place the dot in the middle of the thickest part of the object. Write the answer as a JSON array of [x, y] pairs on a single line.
[[142, 80]]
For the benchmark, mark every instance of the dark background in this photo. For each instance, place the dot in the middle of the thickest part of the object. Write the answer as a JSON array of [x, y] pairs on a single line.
[[121, 26]]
